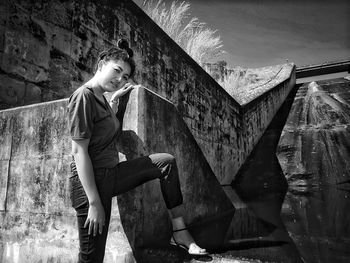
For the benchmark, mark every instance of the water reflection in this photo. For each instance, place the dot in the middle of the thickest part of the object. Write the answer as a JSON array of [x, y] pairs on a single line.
[[319, 222]]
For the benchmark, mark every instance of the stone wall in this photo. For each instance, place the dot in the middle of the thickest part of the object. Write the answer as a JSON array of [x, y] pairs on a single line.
[[314, 153], [48, 48], [34, 159], [314, 148]]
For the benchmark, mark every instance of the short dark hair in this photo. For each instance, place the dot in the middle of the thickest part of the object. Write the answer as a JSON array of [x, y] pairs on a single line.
[[122, 51]]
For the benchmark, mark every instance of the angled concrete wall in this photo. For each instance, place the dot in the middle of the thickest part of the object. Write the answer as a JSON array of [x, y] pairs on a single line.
[[260, 110], [47, 49], [37, 222]]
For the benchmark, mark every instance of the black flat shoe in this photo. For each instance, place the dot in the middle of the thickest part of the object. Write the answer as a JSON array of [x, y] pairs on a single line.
[[188, 249]]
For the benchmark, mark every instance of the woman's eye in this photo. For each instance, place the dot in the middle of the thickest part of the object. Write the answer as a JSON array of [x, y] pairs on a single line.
[[117, 70]]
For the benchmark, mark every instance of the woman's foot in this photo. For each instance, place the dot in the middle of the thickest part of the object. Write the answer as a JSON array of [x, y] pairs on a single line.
[[181, 237], [184, 239]]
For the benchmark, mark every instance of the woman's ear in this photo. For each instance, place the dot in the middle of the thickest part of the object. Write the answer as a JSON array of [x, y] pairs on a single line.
[[100, 64]]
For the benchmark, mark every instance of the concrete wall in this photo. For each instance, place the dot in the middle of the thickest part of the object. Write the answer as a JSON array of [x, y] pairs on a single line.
[[34, 185], [37, 222], [47, 49], [259, 112]]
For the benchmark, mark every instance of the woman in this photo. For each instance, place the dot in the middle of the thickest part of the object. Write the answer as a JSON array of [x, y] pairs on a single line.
[[97, 175]]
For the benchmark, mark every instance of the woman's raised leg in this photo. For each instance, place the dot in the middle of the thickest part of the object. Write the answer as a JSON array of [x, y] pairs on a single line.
[[133, 173]]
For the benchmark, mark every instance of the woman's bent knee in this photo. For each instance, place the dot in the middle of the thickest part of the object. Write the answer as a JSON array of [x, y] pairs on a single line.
[[169, 158], [162, 159]]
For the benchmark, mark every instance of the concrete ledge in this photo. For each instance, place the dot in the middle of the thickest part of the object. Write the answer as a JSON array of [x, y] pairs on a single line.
[[37, 222], [267, 79]]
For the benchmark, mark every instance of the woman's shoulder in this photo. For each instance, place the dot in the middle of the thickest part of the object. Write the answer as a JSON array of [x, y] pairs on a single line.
[[82, 92], [85, 90]]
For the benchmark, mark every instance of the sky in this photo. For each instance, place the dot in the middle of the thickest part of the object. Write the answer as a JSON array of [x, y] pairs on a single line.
[[258, 33]]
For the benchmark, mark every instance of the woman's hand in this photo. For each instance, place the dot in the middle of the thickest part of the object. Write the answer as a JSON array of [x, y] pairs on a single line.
[[96, 214], [95, 219], [122, 91]]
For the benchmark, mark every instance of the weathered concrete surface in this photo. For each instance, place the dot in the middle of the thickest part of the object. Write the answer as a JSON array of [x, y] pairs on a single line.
[[47, 50], [314, 148], [37, 223], [259, 112], [253, 82], [35, 217]]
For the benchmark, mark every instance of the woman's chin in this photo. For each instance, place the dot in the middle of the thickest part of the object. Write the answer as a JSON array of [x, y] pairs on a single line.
[[111, 88]]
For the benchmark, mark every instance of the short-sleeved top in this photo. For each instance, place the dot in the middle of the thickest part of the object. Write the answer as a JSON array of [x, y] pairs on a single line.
[[89, 117]]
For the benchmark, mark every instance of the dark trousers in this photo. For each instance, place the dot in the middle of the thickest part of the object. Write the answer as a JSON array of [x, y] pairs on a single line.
[[113, 181]]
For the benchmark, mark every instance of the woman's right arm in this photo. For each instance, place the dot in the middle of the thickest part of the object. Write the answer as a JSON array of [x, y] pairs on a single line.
[[96, 214]]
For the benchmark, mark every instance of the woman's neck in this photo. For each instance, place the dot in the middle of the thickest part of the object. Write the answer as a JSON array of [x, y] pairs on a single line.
[[98, 90]]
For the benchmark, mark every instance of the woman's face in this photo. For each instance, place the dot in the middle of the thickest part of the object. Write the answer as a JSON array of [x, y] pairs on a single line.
[[113, 75]]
